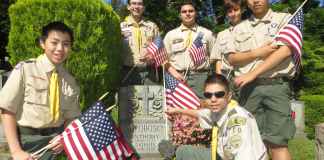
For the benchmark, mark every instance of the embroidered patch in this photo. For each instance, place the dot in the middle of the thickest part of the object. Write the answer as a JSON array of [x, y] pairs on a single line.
[[213, 34], [38, 78], [228, 155], [149, 28], [149, 40], [224, 46], [126, 41], [274, 25], [177, 40], [156, 26], [125, 25], [127, 34], [18, 65], [236, 141], [236, 122], [201, 34]]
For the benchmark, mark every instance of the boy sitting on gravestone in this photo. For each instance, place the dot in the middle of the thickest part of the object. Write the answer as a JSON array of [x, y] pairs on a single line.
[[37, 95], [238, 135]]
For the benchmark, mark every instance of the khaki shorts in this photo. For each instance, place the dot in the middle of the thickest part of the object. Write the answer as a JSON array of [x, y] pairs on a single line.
[[270, 105], [187, 152]]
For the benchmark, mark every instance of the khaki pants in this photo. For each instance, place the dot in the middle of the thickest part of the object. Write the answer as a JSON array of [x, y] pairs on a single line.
[[33, 143], [138, 78]]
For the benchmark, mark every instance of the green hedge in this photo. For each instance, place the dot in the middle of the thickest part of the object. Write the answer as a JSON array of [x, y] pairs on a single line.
[[95, 57], [314, 112]]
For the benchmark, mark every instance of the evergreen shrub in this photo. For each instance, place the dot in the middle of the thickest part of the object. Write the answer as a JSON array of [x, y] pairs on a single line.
[[314, 112], [95, 57]]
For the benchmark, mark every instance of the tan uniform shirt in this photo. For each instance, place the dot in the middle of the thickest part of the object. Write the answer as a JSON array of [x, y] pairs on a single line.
[[176, 39], [238, 136], [252, 34], [130, 50], [221, 46], [26, 93]]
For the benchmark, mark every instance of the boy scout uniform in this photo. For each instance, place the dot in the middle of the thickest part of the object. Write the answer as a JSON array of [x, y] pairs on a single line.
[[238, 136], [227, 69], [180, 58], [26, 94], [133, 48], [266, 97]]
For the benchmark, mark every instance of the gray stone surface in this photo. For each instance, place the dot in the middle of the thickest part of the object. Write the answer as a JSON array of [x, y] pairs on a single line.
[[141, 119], [299, 108], [319, 141], [2, 136]]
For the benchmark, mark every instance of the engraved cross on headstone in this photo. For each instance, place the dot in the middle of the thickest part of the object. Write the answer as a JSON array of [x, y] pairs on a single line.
[[145, 96]]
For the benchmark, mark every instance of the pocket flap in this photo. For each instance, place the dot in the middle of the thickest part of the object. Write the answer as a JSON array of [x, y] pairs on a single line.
[[243, 36], [36, 91]]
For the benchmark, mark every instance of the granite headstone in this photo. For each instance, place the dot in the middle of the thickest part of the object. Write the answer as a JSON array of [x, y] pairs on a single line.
[[141, 119], [299, 108]]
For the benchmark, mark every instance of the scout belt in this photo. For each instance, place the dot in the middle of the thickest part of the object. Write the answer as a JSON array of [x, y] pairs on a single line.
[[139, 69], [268, 81], [193, 72], [225, 72], [35, 131]]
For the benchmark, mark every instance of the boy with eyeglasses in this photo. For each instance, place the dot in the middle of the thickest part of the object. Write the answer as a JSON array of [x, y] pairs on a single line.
[[138, 33], [238, 135]]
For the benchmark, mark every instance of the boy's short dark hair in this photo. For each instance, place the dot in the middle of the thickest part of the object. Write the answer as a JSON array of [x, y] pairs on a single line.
[[217, 79], [128, 1], [56, 26], [228, 4], [187, 3]]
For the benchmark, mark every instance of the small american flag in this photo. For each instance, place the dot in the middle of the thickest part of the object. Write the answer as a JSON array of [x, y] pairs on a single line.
[[292, 33], [197, 51], [94, 135], [158, 51], [178, 94]]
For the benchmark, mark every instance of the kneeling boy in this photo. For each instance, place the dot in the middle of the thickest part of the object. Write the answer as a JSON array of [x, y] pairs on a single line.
[[238, 136]]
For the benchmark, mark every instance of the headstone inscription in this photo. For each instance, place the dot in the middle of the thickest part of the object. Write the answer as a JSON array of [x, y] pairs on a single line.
[[141, 119]]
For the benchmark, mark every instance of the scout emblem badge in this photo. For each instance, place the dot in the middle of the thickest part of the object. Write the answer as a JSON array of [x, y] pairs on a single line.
[[223, 49], [149, 28], [201, 35], [274, 25], [236, 141]]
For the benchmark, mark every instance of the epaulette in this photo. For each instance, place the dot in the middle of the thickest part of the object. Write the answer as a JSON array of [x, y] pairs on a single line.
[[232, 112], [29, 60]]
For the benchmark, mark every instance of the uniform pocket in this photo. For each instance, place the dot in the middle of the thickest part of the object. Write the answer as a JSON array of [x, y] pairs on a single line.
[[177, 48], [244, 41], [290, 128], [36, 92]]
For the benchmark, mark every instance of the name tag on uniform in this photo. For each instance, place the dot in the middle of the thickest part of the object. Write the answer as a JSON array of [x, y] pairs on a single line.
[[125, 29]]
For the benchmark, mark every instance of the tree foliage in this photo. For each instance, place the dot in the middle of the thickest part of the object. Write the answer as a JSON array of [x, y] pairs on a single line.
[[95, 57]]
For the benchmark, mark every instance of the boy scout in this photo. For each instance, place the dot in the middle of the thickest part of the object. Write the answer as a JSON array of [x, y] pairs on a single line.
[[238, 136], [233, 10], [177, 43], [138, 33], [264, 88], [39, 95]]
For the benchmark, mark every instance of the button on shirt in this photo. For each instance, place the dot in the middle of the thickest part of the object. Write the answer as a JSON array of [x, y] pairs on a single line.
[[252, 33], [176, 39], [26, 93], [221, 47], [241, 141], [130, 50]]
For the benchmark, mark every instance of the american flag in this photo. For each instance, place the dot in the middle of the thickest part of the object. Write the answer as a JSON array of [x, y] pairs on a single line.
[[94, 135], [292, 33], [178, 94], [158, 51], [197, 51]]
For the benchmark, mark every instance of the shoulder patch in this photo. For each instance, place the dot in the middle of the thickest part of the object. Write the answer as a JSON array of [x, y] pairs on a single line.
[[232, 112], [156, 27], [237, 121], [18, 66]]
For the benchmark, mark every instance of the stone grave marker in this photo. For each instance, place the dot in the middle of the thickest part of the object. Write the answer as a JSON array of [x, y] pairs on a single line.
[[141, 119], [299, 108]]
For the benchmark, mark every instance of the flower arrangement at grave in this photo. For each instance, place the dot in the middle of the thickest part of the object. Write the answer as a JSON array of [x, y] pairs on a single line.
[[186, 130]]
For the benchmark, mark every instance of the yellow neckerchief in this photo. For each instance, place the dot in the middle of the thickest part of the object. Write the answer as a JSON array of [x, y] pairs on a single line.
[[54, 93], [138, 36], [189, 38], [233, 103]]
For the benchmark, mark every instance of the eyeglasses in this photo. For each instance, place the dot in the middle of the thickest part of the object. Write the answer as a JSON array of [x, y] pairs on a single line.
[[134, 4], [219, 94]]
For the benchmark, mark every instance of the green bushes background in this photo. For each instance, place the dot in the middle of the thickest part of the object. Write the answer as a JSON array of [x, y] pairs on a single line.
[[95, 57]]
